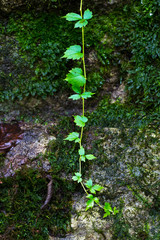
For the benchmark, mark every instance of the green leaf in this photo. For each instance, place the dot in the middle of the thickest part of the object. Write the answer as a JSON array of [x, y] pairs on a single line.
[[94, 188], [84, 119], [90, 196], [81, 23], [96, 200], [77, 140], [107, 207], [76, 78], [77, 177], [72, 136], [72, 17], [83, 159], [90, 204], [81, 151], [74, 178], [106, 214], [73, 52], [80, 120], [92, 191], [87, 14], [90, 157], [76, 89], [75, 97], [89, 183], [86, 95], [78, 174], [97, 187], [115, 211]]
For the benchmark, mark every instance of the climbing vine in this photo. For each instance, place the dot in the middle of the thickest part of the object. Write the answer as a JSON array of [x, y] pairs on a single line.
[[77, 78]]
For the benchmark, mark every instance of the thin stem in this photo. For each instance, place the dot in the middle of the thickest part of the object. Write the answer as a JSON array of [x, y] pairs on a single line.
[[80, 144], [84, 70], [84, 65], [84, 188], [81, 4], [80, 165], [100, 205], [83, 59]]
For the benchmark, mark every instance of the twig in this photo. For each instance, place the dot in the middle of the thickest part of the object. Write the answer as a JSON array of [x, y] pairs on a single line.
[[49, 191]]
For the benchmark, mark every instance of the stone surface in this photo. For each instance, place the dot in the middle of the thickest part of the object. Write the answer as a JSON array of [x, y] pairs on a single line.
[[118, 93], [28, 150], [8, 5], [128, 169]]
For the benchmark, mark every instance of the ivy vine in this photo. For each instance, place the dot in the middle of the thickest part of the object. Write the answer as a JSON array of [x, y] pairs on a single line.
[[77, 78]]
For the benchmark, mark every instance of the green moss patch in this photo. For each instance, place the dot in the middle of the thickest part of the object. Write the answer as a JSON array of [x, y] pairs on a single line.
[[21, 199]]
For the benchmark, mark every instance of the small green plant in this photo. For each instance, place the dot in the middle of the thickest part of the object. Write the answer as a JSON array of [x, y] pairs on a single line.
[[77, 78]]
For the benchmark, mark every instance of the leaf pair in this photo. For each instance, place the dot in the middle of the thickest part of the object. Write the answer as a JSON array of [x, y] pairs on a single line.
[[88, 157], [84, 95], [83, 156], [81, 22], [93, 188], [77, 177]]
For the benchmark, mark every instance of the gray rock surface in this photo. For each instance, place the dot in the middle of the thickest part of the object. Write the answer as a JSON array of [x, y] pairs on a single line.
[[28, 150], [128, 169]]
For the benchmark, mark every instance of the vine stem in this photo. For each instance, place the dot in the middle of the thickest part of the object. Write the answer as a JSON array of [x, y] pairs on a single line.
[[83, 109], [84, 188], [84, 70]]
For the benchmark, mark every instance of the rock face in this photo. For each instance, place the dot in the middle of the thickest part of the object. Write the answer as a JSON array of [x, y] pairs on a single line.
[[8, 5], [128, 170], [34, 143]]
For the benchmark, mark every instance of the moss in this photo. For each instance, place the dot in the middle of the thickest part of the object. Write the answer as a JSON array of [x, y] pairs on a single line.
[[123, 115], [120, 226], [63, 157], [34, 47], [21, 199]]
